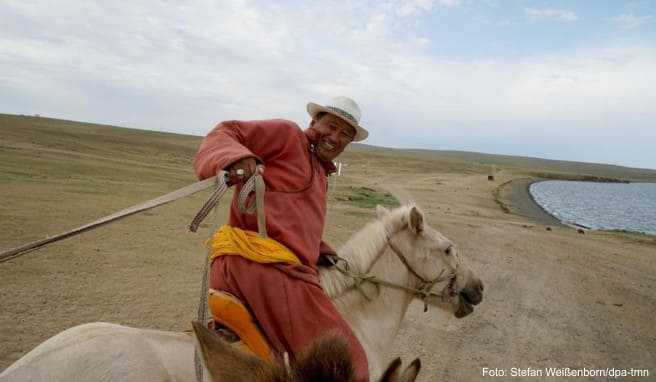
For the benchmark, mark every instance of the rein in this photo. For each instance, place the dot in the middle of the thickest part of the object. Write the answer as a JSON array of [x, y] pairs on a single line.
[[422, 291], [254, 184]]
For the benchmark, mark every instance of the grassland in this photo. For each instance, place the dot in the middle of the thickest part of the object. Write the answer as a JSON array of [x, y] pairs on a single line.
[[554, 298]]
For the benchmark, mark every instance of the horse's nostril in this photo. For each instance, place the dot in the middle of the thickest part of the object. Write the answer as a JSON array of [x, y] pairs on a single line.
[[472, 296], [465, 297]]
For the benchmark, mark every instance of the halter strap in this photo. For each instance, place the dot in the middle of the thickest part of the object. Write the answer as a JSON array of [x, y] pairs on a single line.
[[423, 290], [405, 262]]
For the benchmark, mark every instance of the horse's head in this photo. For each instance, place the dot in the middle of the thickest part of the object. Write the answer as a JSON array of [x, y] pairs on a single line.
[[433, 260]]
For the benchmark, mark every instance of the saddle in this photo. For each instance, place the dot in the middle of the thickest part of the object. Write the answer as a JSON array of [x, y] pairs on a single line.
[[236, 324]]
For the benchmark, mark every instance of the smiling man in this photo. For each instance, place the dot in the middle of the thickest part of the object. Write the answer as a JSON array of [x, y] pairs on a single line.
[[286, 299]]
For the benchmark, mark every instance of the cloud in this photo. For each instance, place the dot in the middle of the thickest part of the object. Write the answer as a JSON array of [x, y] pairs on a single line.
[[422, 41], [449, 3], [183, 68], [630, 21], [237, 59], [561, 15], [405, 8]]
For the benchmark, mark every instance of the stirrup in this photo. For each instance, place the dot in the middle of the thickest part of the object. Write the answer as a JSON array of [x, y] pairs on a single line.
[[228, 311]]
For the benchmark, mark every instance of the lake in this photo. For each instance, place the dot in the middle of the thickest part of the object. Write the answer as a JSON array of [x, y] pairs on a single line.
[[606, 206]]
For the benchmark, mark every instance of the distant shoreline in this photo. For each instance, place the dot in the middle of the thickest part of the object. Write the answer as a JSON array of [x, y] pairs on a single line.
[[516, 198], [561, 222]]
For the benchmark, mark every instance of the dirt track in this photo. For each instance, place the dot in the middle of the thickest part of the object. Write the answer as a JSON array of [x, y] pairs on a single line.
[[553, 298]]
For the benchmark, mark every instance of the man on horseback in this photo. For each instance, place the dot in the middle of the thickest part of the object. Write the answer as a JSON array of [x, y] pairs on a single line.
[[285, 297]]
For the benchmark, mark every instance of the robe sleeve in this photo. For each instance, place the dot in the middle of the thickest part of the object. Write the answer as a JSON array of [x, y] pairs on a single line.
[[231, 141]]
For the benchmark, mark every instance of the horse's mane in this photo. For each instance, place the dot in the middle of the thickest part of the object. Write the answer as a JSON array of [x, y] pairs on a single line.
[[361, 251]]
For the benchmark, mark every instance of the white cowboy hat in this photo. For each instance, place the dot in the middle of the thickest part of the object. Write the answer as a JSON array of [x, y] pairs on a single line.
[[344, 108]]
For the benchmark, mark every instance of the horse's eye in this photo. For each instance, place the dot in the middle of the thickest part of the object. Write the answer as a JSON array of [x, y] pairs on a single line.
[[448, 250]]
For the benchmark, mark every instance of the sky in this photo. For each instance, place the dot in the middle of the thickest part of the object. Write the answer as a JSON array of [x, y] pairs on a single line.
[[568, 80]]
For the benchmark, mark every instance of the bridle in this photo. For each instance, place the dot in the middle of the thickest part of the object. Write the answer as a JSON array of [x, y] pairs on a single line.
[[422, 290]]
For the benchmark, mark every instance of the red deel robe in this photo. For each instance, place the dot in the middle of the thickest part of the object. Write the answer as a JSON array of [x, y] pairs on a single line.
[[287, 300]]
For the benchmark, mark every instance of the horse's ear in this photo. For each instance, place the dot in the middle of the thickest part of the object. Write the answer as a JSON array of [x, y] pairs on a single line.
[[223, 362], [391, 374], [416, 220], [381, 211], [410, 373]]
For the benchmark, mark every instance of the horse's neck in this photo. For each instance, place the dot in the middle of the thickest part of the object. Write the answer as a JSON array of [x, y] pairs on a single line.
[[361, 251], [376, 318]]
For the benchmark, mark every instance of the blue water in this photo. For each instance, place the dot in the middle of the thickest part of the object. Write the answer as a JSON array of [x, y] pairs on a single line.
[[630, 207]]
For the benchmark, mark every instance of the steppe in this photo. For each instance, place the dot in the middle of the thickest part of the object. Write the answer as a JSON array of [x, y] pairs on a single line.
[[554, 297]]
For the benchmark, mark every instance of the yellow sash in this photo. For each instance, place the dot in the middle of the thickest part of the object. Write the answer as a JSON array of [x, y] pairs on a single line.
[[248, 244]]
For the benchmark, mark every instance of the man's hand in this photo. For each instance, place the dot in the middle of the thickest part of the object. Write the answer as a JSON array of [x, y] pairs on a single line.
[[243, 169]]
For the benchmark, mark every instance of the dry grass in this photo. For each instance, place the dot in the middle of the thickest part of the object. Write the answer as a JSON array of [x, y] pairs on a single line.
[[145, 270]]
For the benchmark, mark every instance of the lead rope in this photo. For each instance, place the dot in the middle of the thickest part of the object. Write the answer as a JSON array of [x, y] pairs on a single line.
[[254, 184], [201, 315]]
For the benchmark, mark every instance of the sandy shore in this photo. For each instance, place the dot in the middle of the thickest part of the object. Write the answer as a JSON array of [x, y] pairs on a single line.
[[515, 196]]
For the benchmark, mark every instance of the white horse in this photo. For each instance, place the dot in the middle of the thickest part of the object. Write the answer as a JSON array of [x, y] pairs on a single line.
[[399, 248]]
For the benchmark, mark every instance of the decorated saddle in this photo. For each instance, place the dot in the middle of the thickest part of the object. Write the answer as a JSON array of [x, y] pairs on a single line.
[[233, 321]]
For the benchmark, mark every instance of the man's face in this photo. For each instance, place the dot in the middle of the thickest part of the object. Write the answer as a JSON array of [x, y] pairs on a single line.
[[334, 134]]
